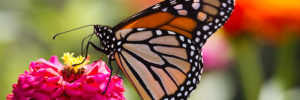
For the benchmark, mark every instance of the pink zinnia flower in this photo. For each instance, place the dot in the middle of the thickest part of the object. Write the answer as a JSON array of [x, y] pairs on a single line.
[[48, 80]]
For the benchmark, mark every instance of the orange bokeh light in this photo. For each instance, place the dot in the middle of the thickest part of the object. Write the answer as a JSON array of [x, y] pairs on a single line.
[[270, 19]]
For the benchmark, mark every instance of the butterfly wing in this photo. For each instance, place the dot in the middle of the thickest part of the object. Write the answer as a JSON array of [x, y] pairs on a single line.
[[159, 63], [159, 48], [195, 19]]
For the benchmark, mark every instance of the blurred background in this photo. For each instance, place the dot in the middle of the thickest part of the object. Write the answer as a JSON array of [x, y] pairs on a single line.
[[255, 56]]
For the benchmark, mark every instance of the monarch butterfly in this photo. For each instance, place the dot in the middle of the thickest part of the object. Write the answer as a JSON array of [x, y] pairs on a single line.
[[159, 49]]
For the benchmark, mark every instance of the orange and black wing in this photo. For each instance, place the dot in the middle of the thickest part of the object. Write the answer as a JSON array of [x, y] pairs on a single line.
[[159, 49], [195, 19], [160, 64]]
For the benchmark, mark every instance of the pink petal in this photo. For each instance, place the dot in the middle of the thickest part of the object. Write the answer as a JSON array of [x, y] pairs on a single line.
[[100, 78], [31, 79], [48, 88], [9, 97], [51, 73], [91, 70], [97, 67], [43, 61], [30, 92], [54, 60], [99, 97], [89, 88], [76, 98], [73, 85], [25, 86], [89, 94], [72, 92], [62, 98], [36, 84], [103, 68], [58, 92], [53, 79], [21, 79], [80, 80], [53, 63], [41, 96]]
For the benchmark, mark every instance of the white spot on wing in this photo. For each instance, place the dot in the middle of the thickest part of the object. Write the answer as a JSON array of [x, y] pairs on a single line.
[[119, 43], [182, 88], [197, 56], [141, 29], [197, 73], [194, 80], [189, 75], [193, 47], [181, 38], [156, 6], [224, 5], [173, 98], [222, 13], [205, 27], [188, 82], [193, 69], [158, 32], [184, 45], [192, 53], [191, 60], [201, 44], [170, 32], [198, 33], [173, 2], [189, 41], [165, 9], [185, 93], [179, 6], [205, 37], [191, 88], [216, 27], [197, 39], [220, 24], [217, 20], [196, 6], [179, 94]]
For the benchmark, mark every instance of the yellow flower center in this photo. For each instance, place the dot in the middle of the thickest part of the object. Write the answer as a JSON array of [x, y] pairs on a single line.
[[71, 73], [69, 60]]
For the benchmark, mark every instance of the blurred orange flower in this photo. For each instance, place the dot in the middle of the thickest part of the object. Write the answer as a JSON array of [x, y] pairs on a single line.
[[269, 19]]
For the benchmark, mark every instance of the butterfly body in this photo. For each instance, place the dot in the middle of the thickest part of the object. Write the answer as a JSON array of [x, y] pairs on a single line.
[[107, 39], [159, 49]]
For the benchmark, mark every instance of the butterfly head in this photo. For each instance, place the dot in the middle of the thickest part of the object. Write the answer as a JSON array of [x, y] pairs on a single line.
[[105, 34]]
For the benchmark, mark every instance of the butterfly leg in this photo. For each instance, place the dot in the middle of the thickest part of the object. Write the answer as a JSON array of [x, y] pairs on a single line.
[[82, 42], [109, 61], [118, 74], [86, 51], [95, 47]]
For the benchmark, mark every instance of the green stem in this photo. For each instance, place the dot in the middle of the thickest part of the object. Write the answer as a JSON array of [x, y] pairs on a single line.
[[249, 67], [287, 71]]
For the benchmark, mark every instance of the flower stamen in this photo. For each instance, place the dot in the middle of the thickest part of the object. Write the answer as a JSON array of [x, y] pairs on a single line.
[[72, 73]]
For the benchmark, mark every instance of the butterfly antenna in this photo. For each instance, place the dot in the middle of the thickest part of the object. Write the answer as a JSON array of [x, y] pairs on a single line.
[[70, 30]]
